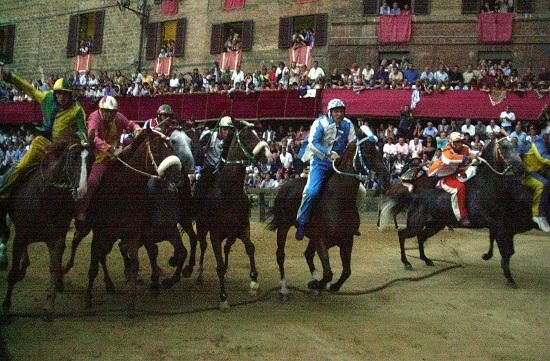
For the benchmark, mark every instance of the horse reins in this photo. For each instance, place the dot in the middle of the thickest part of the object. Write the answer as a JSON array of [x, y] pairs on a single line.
[[249, 156], [59, 185], [360, 177], [498, 155]]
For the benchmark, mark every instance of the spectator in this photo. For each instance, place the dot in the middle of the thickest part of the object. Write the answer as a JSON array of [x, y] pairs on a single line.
[[492, 129], [238, 76], [521, 137], [286, 160], [410, 74], [395, 10], [444, 126], [506, 119], [269, 134], [405, 122], [441, 140], [395, 75], [381, 76], [367, 73], [441, 74], [429, 148], [415, 147], [385, 9], [315, 73], [402, 148], [429, 131], [427, 75], [406, 9], [389, 151], [468, 128]]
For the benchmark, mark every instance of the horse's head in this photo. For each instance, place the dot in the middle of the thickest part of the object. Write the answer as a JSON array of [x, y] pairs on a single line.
[[181, 143], [68, 164], [370, 158], [246, 145], [502, 157]]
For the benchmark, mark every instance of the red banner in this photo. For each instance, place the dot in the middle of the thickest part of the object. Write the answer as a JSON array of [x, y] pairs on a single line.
[[233, 4], [230, 59], [451, 104], [169, 7], [82, 63], [494, 27], [394, 29], [163, 65], [301, 55]]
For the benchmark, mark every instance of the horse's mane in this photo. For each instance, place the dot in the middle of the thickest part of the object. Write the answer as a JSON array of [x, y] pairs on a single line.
[[128, 150], [58, 147]]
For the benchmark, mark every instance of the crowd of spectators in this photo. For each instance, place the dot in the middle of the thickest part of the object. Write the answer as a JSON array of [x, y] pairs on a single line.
[[487, 76], [492, 6], [14, 143]]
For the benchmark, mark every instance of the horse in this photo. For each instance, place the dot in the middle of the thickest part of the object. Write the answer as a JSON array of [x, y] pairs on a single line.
[[335, 218], [119, 209], [41, 208], [226, 209], [496, 200]]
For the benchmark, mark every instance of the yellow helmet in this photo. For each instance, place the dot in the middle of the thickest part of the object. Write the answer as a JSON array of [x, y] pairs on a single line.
[[62, 84]]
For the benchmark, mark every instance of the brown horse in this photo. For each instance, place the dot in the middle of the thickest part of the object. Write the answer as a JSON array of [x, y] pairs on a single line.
[[335, 218], [119, 209], [41, 208], [226, 210]]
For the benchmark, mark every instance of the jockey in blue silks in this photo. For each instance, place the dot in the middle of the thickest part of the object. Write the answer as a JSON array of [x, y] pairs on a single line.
[[328, 138]]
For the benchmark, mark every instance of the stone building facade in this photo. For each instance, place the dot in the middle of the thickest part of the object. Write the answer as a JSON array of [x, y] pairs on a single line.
[[40, 30]]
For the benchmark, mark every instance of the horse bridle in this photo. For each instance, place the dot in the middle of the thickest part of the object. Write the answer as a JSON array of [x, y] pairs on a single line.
[[250, 157], [498, 156], [149, 154], [61, 185], [358, 153]]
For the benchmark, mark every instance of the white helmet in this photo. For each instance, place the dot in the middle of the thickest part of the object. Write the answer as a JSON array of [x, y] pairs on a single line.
[[225, 122], [455, 137], [108, 103], [335, 103]]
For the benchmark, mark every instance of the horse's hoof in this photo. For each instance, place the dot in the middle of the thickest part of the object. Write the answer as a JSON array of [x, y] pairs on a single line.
[[187, 271], [314, 285], [172, 262], [47, 316], [88, 303], [59, 286], [167, 283], [254, 289], [429, 262], [200, 281], [284, 296], [315, 292], [486, 256], [131, 314], [407, 266], [110, 287], [224, 306], [5, 318], [155, 290], [512, 284], [334, 287], [139, 280]]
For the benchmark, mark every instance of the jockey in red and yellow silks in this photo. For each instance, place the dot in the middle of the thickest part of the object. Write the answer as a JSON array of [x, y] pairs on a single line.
[[454, 158]]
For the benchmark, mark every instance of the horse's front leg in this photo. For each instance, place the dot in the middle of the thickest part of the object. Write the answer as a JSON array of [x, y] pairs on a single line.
[[506, 248], [216, 240], [133, 271], [180, 254], [345, 255], [250, 251], [55, 249], [281, 242], [187, 226], [322, 251]]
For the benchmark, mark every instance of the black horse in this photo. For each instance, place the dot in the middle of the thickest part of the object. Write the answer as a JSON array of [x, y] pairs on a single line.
[[335, 218], [496, 200], [41, 208]]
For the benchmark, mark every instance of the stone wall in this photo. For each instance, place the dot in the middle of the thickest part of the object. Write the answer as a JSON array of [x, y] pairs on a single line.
[[445, 35]]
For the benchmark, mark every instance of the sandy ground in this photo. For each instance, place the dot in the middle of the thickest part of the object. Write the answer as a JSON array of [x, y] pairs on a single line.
[[466, 313]]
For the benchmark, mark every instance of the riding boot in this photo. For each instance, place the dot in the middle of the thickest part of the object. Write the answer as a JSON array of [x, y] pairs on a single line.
[[300, 231]]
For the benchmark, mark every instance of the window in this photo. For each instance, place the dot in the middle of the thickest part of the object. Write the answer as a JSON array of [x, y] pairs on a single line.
[[289, 25], [85, 33], [418, 7], [392, 55], [233, 36], [166, 38], [474, 6], [7, 38]]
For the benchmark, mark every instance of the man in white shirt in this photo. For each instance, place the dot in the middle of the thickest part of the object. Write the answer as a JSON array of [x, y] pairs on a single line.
[[174, 83], [238, 76], [415, 147], [315, 72], [492, 129], [506, 119], [441, 74], [286, 159], [468, 128], [282, 74]]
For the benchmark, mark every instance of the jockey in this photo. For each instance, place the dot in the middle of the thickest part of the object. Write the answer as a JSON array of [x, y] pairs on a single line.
[[212, 143], [63, 117], [535, 160], [451, 167], [328, 138], [105, 126], [165, 121]]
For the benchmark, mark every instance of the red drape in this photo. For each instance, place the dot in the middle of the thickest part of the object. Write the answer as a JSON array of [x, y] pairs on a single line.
[[451, 104], [233, 4], [82, 63], [163, 65], [230, 59], [301, 55], [394, 29], [494, 27], [169, 7]]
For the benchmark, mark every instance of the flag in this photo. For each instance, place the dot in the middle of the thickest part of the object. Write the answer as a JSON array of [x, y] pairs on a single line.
[[415, 97], [82, 63], [169, 7], [163, 65], [233, 4]]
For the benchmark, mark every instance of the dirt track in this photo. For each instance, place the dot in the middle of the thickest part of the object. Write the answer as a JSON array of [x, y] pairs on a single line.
[[467, 313]]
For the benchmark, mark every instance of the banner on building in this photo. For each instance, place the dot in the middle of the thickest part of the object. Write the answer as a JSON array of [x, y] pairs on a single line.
[[394, 29], [163, 65], [230, 60], [169, 7], [301, 56], [494, 27], [82, 63], [233, 4]]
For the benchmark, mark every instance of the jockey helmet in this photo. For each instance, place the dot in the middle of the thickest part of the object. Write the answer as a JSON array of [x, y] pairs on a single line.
[[335, 103], [165, 109], [108, 103], [62, 84], [455, 137], [225, 122]]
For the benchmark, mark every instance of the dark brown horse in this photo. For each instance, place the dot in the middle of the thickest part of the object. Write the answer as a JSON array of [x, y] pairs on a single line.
[[226, 210], [119, 209], [335, 218], [41, 208]]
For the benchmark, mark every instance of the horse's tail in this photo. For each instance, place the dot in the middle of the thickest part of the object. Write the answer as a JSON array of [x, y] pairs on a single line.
[[392, 206]]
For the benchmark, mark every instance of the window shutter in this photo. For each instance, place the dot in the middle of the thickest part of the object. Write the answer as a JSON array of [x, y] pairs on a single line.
[[370, 7], [285, 32], [8, 56], [471, 6], [216, 39], [151, 49], [72, 39], [181, 33], [421, 7], [97, 45], [247, 35], [523, 6], [321, 22]]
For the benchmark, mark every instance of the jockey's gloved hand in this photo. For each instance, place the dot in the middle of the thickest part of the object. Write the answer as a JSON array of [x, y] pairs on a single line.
[[334, 155], [465, 159]]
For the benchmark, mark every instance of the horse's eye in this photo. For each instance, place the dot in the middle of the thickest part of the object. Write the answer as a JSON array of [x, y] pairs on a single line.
[[172, 141]]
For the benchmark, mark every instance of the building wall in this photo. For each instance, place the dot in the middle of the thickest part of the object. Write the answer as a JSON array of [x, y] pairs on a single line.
[[445, 35]]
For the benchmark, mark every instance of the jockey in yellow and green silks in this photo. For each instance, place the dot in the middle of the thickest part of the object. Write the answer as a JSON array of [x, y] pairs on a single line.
[[63, 117]]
